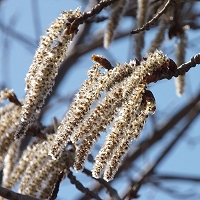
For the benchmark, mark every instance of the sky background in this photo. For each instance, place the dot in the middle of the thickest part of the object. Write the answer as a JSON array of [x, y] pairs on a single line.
[[16, 57]]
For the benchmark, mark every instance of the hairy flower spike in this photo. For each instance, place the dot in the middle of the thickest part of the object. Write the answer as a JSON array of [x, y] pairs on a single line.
[[180, 57], [89, 92], [86, 130], [132, 131], [9, 162], [43, 177], [107, 108], [10, 115], [36, 170], [113, 21], [21, 166], [41, 75], [119, 129], [39, 155], [142, 15]]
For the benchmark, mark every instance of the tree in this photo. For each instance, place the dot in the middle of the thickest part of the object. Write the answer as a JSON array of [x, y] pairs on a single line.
[[115, 98]]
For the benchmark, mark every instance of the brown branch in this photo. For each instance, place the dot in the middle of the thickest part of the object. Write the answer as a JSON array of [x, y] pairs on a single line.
[[86, 15], [183, 68], [153, 20], [8, 194], [80, 187], [176, 177], [113, 193]]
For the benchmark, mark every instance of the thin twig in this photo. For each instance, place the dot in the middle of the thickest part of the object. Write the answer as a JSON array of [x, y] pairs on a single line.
[[80, 187], [8, 194], [113, 193], [86, 15], [153, 20], [176, 177], [183, 68]]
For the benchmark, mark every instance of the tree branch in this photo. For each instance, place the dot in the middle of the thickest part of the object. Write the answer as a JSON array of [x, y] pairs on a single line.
[[113, 193], [80, 187], [153, 20], [8, 194], [183, 68], [176, 177], [86, 15]]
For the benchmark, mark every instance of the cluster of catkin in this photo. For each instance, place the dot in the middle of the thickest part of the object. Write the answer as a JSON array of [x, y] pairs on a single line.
[[125, 102], [116, 97], [35, 171], [9, 119]]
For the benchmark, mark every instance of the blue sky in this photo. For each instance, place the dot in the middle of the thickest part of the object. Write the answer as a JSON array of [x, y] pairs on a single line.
[[15, 59]]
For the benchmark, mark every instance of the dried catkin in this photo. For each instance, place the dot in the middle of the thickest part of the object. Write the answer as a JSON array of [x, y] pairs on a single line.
[[42, 73], [132, 130], [180, 57], [86, 131], [113, 21], [142, 15]]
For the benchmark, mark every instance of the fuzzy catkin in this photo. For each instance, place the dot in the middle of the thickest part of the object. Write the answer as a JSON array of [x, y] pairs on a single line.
[[131, 133], [106, 109], [9, 123], [180, 57], [44, 178], [89, 92], [113, 21], [119, 129], [142, 15], [20, 167], [39, 154], [9, 162], [42, 73]]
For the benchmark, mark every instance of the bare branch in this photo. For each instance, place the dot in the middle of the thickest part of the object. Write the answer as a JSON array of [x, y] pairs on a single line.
[[183, 68], [80, 187], [75, 22], [8, 194], [176, 177], [113, 193], [153, 20]]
